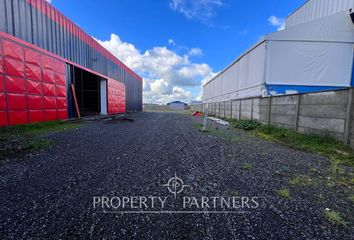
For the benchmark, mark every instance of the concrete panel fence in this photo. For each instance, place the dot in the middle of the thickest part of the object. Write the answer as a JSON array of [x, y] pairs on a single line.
[[329, 112]]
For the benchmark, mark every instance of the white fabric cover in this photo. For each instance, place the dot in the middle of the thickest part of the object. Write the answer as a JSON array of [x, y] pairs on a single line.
[[243, 78], [309, 63], [333, 28], [315, 9]]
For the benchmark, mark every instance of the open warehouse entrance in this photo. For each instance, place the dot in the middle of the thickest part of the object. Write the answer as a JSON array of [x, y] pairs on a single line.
[[90, 92]]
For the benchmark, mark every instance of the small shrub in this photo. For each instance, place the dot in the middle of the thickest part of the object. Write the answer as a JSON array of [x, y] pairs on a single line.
[[247, 124]]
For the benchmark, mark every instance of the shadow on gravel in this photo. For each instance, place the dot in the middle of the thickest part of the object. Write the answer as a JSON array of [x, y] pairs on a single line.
[[118, 120]]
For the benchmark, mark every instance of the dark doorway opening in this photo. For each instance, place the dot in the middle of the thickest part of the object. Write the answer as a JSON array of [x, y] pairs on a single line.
[[87, 89]]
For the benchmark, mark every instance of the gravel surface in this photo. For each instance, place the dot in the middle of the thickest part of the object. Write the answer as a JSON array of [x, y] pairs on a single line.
[[50, 195]]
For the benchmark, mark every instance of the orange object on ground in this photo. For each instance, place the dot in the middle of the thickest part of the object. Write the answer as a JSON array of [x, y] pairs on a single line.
[[75, 100]]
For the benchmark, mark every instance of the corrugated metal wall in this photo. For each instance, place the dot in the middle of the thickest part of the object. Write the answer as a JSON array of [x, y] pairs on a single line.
[[315, 9], [39, 23]]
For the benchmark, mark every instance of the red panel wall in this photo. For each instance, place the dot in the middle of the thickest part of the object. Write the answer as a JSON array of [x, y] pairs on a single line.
[[32, 85], [116, 97]]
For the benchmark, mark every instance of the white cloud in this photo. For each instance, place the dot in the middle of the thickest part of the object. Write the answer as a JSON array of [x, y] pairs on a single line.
[[171, 42], [200, 10], [195, 52], [244, 32], [277, 22], [167, 75]]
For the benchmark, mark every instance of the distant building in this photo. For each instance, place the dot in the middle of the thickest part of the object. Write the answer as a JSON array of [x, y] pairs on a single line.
[[177, 105]]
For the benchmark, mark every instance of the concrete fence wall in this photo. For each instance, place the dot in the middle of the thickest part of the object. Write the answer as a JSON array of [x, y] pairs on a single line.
[[329, 112]]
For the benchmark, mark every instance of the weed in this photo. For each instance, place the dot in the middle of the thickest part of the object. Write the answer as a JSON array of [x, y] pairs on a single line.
[[314, 170], [321, 197], [38, 144], [246, 124], [233, 193], [335, 218], [247, 166], [351, 198], [284, 193], [301, 181]]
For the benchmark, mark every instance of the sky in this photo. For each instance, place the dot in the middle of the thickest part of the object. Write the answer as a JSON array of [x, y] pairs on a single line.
[[177, 45]]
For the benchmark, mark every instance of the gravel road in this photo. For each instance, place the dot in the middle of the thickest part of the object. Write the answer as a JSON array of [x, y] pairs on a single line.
[[51, 195]]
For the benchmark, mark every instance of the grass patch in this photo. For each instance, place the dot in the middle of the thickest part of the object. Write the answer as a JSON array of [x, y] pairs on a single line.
[[310, 142], [16, 141], [39, 128], [342, 157], [301, 181], [284, 193], [335, 218], [38, 144], [248, 166]]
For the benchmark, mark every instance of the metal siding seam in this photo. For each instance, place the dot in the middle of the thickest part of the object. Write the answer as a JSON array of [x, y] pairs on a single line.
[[2, 16], [25, 79], [4, 83], [10, 17]]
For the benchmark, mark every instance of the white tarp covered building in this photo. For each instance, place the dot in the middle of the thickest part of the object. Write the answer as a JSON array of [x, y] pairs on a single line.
[[313, 53]]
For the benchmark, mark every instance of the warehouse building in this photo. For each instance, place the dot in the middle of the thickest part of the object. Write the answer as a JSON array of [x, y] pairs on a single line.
[[313, 53], [46, 62], [177, 105]]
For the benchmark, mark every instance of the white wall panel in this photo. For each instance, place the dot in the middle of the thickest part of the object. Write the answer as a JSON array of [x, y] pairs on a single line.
[[256, 66], [230, 78], [242, 79], [309, 63], [315, 9]]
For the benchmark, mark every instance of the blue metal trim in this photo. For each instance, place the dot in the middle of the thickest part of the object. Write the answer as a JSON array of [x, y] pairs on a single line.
[[282, 89], [352, 83]]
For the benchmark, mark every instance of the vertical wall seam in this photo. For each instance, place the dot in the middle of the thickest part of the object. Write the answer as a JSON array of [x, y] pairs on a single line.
[[25, 79], [3, 77]]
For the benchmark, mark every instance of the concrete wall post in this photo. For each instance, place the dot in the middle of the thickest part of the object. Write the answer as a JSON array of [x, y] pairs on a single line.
[[269, 110], [239, 111], [297, 111], [348, 116], [252, 109]]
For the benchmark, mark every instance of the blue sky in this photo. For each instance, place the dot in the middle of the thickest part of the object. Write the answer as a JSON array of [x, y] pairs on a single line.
[[177, 44]]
